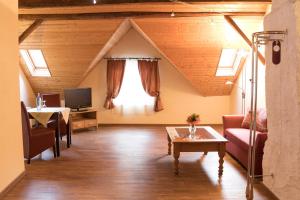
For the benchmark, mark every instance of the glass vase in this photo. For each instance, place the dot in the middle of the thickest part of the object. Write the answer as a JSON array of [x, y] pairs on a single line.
[[192, 130]]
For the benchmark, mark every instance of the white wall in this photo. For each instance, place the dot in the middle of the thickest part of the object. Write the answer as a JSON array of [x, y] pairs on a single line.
[[178, 96], [244, 83], [11, 146], [26, 91], [282, 149]]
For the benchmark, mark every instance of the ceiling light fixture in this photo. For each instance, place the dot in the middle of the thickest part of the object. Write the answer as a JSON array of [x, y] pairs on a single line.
[[172, 14], [94, 1], [229, 83]]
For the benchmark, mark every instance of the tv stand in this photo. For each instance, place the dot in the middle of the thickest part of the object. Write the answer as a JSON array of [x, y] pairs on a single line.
[[83, 119], [79, 109]]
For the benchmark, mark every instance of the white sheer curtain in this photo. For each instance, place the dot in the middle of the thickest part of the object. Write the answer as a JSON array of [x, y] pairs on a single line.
[[132, 98]]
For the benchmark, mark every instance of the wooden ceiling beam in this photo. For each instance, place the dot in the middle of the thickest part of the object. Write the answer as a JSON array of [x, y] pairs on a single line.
[[116, 36], [122, 15], [30, 29], [55, 3], [163, 7], [243, 35]]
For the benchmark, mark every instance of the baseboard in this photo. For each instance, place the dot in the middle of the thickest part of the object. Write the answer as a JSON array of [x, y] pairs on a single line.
[[273, 195], [12, 185]]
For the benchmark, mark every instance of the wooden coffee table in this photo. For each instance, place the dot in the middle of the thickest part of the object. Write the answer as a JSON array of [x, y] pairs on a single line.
[[206, 140]]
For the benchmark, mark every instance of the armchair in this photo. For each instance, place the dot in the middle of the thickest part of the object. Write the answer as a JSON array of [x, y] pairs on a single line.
[[35, 140]]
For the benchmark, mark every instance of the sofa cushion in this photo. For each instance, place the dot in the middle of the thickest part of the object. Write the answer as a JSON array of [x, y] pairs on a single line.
[[261, 120], [239, 136], [247, 120]]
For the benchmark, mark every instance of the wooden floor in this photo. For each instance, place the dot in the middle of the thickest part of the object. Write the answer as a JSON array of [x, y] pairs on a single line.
[[125, 162]]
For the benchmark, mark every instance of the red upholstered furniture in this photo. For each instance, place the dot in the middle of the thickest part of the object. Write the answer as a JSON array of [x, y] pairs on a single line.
[[53, 100], [35, 140], [238, 141]]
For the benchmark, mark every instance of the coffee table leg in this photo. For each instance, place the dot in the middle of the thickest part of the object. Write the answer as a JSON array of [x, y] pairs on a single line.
[[221, 158], [205, 152], [169, 144], [176, 162]]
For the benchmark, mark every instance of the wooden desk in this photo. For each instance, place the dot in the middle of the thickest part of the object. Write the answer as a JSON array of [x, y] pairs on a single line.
[[206, 140]]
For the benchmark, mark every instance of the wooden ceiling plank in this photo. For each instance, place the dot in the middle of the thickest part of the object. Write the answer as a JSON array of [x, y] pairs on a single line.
[[243, 35], [30, 29]]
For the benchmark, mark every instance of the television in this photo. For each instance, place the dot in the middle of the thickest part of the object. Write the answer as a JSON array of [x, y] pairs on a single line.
[[78, 98]]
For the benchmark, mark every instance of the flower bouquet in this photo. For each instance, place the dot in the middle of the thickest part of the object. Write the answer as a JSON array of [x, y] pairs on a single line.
[[192, 120]]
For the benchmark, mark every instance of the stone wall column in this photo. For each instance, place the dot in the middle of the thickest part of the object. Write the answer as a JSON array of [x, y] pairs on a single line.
[[282, 149]]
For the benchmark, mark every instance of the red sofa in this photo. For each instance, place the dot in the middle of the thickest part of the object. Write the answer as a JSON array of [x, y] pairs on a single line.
[[238, 141]]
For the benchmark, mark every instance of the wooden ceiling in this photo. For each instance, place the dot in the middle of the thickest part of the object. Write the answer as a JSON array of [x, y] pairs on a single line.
[[194, 46], [191, 43], [69, 47]]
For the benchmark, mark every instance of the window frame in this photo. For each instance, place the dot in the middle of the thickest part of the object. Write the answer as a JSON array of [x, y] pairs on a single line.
[[33, 69], [231, 71]]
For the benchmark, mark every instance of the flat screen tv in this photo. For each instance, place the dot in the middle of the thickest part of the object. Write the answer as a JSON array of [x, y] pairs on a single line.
[[78, 98]]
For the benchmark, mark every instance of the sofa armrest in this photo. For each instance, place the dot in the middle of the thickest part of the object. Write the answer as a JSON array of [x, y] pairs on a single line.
[[232, 121], [260, 142]]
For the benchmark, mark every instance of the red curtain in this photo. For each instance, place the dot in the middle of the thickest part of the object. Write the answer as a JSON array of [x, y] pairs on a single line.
[[150, 79], [114, 78]]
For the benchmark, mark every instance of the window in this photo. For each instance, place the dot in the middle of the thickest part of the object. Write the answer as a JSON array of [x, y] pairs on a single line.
[[132, 98], [35, 62], [229, 61]]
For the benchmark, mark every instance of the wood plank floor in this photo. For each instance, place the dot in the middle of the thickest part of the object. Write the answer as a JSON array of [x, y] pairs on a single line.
[[130, 163]]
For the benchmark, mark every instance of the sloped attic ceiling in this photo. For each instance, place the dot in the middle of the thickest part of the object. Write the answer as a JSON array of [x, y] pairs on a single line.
[[68, 46], [192, 44]]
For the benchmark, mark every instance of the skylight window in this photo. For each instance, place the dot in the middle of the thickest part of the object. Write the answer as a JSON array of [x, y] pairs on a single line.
[[230, 61], [35, 62], [227, 58]]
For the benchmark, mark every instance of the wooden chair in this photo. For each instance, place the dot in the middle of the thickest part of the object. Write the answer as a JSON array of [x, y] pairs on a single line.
[[35, 140], [53, 100]]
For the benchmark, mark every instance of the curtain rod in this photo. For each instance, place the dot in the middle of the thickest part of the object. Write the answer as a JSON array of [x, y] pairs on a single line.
[[131, 58]]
